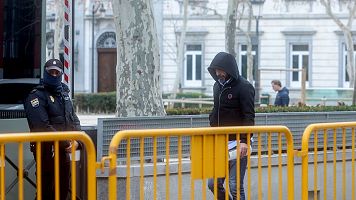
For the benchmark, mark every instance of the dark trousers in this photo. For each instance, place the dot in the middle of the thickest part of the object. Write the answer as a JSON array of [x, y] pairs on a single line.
[[48, 178], [232, 181]]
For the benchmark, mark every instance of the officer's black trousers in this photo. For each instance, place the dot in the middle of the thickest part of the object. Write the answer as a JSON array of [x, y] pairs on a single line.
[[48, 178]]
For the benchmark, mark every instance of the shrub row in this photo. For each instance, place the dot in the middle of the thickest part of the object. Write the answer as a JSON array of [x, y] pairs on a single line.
[[268, 109], [95, 102], [106, 103]]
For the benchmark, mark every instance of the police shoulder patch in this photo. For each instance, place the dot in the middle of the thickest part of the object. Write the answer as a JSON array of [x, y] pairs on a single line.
[[35, 102]]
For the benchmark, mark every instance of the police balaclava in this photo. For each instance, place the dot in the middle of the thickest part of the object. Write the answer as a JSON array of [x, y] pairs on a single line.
[[53, 83]]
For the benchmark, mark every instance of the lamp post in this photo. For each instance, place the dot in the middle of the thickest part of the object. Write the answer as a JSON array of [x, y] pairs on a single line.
[[257, 6], [97, 5]]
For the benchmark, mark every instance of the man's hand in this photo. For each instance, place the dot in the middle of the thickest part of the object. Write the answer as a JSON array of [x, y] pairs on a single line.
[[72, 143], [243, 149]]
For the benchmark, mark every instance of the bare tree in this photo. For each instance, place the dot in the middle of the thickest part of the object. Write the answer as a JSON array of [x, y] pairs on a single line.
[[346, 29], [138, 63], [239, 10], [230, 27], [177, 49], [180, 50]]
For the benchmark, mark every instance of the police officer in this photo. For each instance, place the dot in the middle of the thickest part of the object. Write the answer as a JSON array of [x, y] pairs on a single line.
[[48, 108]]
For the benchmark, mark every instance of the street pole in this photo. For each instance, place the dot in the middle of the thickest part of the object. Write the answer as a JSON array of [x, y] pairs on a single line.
[[73, 49], [92, 49], [257, 71]]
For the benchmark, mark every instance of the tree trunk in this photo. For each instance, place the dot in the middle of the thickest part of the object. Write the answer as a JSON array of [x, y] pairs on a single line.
[[346, 29], [249, 59], [350, 56], [138, 61], [249, 45], [241, 7], [230, 27]]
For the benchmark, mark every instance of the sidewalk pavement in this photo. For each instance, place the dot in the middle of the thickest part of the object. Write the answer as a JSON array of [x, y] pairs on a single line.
[[92, 119]]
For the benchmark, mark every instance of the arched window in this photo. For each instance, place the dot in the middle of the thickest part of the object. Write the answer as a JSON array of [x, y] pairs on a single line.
[[107, 40]]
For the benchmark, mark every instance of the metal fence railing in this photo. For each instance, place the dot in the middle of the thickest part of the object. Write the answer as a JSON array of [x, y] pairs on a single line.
[[209, 159], [327, 152], [331, 149], [56, 137]]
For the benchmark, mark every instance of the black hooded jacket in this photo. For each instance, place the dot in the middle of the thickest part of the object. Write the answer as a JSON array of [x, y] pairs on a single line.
[[233, 102]]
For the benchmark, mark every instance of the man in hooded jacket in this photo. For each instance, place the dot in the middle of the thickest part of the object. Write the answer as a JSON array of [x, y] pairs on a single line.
[[233, 106], [49, 109]]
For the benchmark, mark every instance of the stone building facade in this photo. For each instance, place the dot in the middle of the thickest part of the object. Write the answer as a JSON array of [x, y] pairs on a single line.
[[292, 34]]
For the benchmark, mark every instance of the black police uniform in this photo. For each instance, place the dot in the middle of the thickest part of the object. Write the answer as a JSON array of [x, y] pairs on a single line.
[[49, 110]]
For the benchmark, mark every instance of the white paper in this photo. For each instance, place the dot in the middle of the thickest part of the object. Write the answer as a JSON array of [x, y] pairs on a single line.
[[77, 155]]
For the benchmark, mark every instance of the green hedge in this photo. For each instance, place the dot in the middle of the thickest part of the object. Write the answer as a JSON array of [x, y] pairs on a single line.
[[95, 103], [106, 103], [268, 109], [186, 95], [188, 111]]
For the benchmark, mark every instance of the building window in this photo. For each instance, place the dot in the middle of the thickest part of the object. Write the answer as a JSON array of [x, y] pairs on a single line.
[[243, 60], [345, 75], [193, 65], [299, 48], [299, 60]]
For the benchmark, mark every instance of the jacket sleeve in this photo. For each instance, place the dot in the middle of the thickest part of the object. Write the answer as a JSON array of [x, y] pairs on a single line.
[[70, 112], [247, 108], [76, 122], [213, 114], [212, 117], [77, 127], [36, 113]]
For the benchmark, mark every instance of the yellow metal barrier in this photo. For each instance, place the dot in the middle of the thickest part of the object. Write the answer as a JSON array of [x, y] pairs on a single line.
[[203, 164], [55, 137], [340, 137]]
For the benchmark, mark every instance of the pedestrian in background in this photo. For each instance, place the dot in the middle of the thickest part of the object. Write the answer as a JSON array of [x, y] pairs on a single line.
[[282, 97], [233, 106], [49, 108]]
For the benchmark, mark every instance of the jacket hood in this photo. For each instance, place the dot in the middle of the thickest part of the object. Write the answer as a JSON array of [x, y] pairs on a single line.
[[284, 90], [226, 62]]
